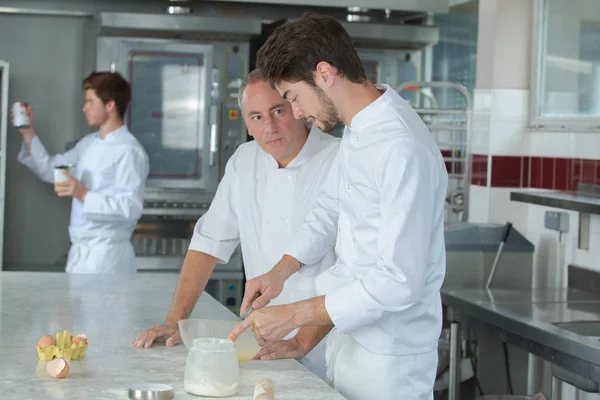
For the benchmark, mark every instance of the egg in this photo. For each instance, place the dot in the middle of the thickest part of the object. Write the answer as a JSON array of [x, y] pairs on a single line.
[[79, 338], [58, 368], [46, 340]]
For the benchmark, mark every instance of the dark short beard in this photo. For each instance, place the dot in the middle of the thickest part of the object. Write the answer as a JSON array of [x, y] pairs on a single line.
[[331, 118]]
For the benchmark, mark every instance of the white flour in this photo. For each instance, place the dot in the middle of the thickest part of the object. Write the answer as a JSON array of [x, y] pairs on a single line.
[[212, 389]]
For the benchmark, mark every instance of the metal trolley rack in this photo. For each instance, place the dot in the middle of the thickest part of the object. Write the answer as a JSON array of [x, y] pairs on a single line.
[[451, 129]]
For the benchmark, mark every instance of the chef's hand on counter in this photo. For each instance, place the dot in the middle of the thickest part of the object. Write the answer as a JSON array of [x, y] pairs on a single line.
[[262, 289], [168, 332], [74, 189], [271, 324]]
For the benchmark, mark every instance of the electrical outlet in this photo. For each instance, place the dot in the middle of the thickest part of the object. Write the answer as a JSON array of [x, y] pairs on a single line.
[[556, 221]]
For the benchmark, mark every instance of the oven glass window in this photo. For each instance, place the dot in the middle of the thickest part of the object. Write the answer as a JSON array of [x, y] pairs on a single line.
[[164, 113]]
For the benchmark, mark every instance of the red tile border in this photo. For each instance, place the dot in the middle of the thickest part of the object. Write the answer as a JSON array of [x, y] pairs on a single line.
[[525, 163], [547, 173], [588, 171], [506, 171], [575, 173], [535, 176], [479, 169], [562, 167], [533, 172]]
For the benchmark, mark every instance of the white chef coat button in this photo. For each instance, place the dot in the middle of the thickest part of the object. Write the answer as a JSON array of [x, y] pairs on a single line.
[[287, 221], [334, 267], [290, 177], [357, 139]]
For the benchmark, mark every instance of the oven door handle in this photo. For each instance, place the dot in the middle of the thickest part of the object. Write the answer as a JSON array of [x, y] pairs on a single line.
[[214, 135], [213, 119]]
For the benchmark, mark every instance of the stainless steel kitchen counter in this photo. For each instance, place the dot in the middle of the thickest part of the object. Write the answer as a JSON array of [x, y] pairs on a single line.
[[527, 318], [111, 312]]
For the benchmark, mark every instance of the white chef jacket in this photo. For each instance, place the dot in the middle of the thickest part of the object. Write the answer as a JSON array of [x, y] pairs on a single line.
[[114, 171], [261, 206], [387, 194]]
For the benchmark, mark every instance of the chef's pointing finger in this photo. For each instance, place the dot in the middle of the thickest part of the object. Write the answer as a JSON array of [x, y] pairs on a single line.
[[240, 328]]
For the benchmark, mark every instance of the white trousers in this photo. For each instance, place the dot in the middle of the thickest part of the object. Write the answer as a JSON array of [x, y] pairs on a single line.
[[360, 375]]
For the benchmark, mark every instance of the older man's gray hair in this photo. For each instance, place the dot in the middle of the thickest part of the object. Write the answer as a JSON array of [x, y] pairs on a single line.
[[253, 77]]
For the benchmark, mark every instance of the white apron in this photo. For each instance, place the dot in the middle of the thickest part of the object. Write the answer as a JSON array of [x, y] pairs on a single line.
[[101, 252], [360, 375], [104, 250]]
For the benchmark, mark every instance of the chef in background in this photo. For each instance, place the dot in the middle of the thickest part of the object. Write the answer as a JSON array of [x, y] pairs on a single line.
[[106, 182], [270, 185]]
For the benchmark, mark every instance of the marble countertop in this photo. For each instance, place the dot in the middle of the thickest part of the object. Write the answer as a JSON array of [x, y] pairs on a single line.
[[111, 312]]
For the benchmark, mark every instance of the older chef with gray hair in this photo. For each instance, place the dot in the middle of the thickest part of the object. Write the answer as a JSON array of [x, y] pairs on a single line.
[[270, 185]]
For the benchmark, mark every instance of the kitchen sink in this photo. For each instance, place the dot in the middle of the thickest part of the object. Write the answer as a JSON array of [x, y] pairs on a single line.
[[583, 328]]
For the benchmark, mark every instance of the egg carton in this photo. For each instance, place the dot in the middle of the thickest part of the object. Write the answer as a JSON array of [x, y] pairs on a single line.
[[64, 348]]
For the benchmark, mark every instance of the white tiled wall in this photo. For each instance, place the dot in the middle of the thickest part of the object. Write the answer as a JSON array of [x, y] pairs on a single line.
[[564, 144], [479, 204], [507, 121], [503, 210], [584, 145], [480, 135], [500, 128], [507, 138], [549, 144], [510, 104]]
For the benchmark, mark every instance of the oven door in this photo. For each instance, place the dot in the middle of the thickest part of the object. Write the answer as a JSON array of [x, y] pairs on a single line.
[[173, 110]]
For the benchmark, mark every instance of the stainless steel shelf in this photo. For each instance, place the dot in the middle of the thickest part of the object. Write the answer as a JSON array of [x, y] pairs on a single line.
[[565, 200]]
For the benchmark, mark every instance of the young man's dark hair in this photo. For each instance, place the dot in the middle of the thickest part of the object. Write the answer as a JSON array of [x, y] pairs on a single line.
[[294, 49], [110, 86]]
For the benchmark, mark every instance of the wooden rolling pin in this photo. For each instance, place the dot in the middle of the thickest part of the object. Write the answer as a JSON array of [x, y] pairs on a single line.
[[264, 389]]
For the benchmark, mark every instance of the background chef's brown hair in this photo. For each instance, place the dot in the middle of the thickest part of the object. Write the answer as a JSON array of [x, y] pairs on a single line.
[[110, 86]]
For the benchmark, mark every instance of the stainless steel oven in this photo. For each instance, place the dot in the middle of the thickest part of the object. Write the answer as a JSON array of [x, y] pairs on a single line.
[[161, 241], [185, 73]]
